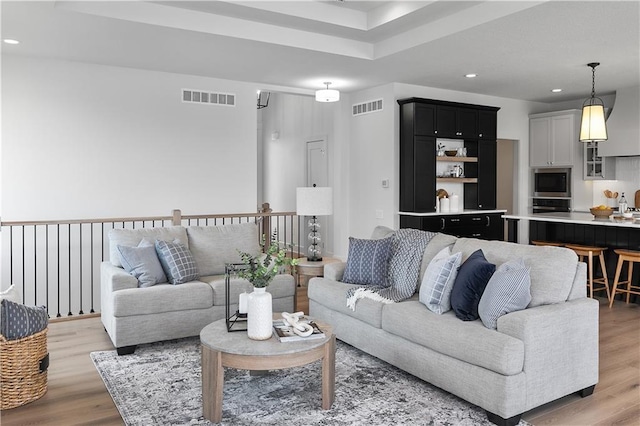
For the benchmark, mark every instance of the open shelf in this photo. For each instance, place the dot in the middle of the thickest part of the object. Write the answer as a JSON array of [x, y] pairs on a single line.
[[457, 180], [458, 159]]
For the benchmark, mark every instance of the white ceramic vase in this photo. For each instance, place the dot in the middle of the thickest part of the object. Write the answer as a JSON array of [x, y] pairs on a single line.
[[260, 314]]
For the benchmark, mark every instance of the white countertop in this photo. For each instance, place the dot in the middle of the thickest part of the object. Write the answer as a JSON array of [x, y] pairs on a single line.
[[451, 213], [576, 217]]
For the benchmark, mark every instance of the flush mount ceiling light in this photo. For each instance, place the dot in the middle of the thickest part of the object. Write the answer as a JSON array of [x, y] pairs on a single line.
[[471, 75], [327, 95], [10, 41], [593, 127], [556, 90]]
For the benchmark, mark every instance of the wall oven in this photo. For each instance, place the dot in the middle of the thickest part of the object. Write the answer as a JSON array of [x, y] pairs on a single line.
[[551, 205], [552, 183]]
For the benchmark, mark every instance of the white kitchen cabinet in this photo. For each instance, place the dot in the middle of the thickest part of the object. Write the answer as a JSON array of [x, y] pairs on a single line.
[[553, 139], [597, 167]]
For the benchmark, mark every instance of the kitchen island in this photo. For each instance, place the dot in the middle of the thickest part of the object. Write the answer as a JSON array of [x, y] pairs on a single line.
[[583, 229]]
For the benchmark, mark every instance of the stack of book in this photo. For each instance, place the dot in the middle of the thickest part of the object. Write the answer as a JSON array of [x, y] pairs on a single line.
[[285, 333]]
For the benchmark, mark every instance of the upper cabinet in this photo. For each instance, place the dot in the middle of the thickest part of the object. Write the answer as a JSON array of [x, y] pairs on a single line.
[[596, 167], [553, 138], [456, 122]]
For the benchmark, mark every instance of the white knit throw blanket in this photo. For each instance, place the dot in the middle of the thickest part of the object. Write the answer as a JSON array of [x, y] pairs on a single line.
[[403, 270]]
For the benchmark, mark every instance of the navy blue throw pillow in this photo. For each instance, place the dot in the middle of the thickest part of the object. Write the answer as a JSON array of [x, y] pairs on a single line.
[[472, 279]]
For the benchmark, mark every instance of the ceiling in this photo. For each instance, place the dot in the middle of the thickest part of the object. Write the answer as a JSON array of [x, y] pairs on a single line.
[[519, 49]]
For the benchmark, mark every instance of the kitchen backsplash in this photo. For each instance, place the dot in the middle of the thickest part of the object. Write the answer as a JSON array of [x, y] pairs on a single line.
[[627, 181]]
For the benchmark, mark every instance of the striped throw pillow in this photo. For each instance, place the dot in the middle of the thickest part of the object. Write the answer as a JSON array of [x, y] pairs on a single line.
[[508, 290], [435, 290]]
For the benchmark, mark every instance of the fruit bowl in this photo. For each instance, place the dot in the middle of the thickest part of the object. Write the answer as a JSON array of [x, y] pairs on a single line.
[[451, 152], [598, 212]]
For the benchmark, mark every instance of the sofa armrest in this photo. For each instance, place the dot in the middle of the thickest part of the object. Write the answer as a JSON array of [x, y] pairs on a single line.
[[561, 347], [114, 278], [334, 271]]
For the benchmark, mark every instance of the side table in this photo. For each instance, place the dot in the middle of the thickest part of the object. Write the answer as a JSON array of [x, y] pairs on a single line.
[[309, 269]]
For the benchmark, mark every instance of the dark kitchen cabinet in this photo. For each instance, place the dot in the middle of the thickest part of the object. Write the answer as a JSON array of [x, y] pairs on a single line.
[[487, 124], [421, 121], [487, 226], [456, 122]]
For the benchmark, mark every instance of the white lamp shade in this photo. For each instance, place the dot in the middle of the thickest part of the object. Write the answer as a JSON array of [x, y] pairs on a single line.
[[314, 201], [593, 127], [327, 95]]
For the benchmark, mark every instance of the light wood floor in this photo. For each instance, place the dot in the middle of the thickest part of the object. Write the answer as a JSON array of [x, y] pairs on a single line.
[[77, 395]]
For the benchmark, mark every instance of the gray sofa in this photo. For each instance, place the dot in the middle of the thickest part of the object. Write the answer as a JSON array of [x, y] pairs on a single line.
[[535, 356], [133, 315]]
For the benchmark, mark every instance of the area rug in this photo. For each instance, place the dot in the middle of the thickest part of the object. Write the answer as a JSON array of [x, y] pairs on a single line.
[[160, 385]]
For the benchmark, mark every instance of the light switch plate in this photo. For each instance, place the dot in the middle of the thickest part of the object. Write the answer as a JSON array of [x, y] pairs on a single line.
[[385, 183]]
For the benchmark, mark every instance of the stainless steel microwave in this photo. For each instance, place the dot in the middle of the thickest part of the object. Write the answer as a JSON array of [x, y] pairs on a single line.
[[552, 183]]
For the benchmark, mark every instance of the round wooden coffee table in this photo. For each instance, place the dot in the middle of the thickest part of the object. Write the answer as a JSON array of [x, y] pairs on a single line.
[[221, 348]]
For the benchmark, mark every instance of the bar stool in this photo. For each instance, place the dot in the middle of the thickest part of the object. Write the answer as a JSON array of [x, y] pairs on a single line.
[[589, 253], [630, 256], [546, 243]]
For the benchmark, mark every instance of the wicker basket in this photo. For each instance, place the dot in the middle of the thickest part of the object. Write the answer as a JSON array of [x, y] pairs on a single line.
[[601, 213], [21, 361]]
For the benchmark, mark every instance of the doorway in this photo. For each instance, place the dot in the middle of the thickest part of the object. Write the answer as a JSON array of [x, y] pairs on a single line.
[[507, 176]]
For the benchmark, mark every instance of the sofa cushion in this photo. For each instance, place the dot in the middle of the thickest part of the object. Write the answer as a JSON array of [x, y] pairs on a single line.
[[508, 290], [162, 298], [18, 321], [283, 285], [177, 262], [367, 261], [213, 246], [468, 341], [380, 232], [472, 278], [142, 262], [132, 237], [332, 294], [552, 268], [435, 291]]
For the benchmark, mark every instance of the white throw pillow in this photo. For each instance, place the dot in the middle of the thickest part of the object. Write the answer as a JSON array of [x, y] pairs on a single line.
[[12, 294], [435, 290]]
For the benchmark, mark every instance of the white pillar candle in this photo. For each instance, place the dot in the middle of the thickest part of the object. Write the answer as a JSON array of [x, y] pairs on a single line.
[[243, 302], [444, 205], [453, 203]]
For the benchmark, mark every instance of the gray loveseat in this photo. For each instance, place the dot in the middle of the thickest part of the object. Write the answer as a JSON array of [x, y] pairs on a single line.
[[535, 356], [133, 315]]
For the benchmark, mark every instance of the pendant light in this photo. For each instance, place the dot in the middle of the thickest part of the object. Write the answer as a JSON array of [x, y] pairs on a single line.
[[327, 95], [593, 127]]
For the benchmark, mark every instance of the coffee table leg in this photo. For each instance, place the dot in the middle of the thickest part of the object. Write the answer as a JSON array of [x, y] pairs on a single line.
[[212, 384], [329, 373]]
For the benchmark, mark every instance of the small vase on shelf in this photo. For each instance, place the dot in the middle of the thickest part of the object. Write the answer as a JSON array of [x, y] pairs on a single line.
[[260, 314]]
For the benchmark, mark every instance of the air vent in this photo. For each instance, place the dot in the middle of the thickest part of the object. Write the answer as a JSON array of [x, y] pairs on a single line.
[[209, 98], [367, 107]]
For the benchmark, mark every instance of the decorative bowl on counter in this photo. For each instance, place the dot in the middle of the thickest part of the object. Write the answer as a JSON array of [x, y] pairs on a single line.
[[601, 213], [451, 152]]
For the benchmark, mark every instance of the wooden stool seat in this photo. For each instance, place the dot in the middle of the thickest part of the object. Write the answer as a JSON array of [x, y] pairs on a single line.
[[546, 243], [630, 256], [589, 252]]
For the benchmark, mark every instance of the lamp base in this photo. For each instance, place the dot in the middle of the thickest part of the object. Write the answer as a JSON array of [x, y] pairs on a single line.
[[314, 259]]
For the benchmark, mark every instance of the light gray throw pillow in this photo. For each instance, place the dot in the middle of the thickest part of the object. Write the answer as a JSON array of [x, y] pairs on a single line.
[[508, 290], [142, 262], [435, 290]]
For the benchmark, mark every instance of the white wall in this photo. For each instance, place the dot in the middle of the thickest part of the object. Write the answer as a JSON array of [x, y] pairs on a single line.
[[87, 141]]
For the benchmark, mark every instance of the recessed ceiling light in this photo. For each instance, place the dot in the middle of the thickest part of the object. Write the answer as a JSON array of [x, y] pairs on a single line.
[[471, 75], [11, 41], [556, 90]]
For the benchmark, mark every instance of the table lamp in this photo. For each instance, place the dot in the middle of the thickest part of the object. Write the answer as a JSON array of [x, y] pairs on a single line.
[[314, 201]]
